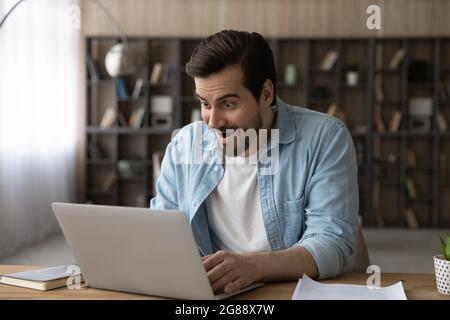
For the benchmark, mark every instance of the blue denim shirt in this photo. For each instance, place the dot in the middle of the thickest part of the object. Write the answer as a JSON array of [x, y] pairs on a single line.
[[311, 200]]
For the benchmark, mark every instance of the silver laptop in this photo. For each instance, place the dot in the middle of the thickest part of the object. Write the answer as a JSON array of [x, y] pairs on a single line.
[[136, 250]]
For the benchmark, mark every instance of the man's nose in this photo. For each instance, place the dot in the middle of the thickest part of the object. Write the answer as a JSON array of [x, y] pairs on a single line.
[[216, 120]]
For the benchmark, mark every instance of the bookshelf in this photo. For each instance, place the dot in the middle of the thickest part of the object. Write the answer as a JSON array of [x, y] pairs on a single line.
[[388, 160]]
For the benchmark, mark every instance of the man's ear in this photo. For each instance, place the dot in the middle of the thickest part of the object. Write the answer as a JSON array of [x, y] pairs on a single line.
[[266, 94]]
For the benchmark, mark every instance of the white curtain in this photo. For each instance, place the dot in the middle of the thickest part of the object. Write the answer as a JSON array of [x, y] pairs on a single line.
[[38, 115]]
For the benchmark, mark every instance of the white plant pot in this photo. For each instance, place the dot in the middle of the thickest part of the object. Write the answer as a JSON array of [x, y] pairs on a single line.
[[352, 78], [442, 273]]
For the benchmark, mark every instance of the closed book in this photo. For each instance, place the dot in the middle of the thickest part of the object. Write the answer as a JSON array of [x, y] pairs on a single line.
[[410, 188], [329, 60], [138, 88], [42, 279], [395, 121], [155, 76], [397, 58], [411, 219]]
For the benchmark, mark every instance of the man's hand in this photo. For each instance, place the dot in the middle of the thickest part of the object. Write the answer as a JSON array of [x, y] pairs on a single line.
[[231, 271]]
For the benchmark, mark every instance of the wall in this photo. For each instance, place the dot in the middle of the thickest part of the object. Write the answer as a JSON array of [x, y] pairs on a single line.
[[269, 17]]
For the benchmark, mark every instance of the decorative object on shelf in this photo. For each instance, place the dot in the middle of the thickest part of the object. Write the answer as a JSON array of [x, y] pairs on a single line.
[[420, 112], [352, 75], [396, 59], [162, 111], [329, 60], [122, 60], [420, 71], [130, 167], [442, 267], [290, 74]]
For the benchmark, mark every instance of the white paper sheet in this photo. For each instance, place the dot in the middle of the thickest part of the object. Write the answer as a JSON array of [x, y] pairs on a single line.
[[308, 289]]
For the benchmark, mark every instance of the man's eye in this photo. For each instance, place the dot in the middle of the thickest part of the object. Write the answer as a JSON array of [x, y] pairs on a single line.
[[203, 103], [228, 105]]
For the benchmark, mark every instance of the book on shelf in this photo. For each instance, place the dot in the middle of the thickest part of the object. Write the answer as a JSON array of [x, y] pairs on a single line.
[[329, 60], [378, 120], [378, 88], [138, 88], [395, 121], [92, 67], [122, 91], [139, 119], [109, 117], [44, 279], [397, 59], [411, 219], [332, 109], [411, 190], [94, 151], [155, 76], [122, 121], [444, 91], [109, 181], [410, 157], [441, 121]]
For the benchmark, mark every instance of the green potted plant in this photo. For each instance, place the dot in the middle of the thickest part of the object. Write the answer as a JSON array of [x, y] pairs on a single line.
[[442, 267], [352, 75]]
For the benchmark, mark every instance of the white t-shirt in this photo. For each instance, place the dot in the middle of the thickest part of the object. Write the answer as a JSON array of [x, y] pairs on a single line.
[[234, 209]]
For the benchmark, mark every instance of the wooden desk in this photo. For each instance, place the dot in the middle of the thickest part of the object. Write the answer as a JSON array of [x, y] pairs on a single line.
[[417, 286]]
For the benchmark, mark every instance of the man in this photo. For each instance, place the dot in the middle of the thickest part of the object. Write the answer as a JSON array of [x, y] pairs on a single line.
[[251, 226]]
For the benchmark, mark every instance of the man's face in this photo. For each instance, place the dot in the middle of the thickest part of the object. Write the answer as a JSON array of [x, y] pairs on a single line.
[[227, 104]]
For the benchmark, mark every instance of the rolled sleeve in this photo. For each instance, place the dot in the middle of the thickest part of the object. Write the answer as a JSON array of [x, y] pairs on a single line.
[[331, 207]]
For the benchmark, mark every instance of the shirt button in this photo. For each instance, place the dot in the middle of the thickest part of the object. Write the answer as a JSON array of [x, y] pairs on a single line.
[[216, 168]]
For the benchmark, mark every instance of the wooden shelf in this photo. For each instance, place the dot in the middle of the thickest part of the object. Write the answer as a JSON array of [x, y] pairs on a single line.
[[357, 103]]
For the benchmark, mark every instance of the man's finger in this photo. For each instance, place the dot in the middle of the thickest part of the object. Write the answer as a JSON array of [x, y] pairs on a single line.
[[213, 260], [235, 285], [218, 271], [223, 281]]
